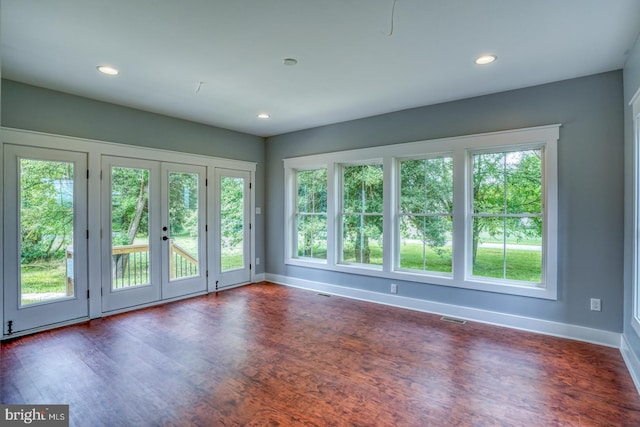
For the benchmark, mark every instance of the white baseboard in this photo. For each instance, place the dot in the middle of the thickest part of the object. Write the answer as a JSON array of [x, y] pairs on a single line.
[[631, 360], [259, 278], [546, 327]]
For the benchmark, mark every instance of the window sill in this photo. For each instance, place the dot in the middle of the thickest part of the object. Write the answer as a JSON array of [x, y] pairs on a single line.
[[509, 288]]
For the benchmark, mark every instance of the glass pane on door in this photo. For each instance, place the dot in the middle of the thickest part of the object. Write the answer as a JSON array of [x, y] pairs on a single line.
[[231, 223], [46, 231], [183, 225], [130, 261]]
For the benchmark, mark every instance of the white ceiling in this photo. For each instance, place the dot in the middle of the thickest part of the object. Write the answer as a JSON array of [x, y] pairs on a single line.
[[354, 60]]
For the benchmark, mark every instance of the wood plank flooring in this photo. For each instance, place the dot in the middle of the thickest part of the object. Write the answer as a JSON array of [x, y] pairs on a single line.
[[268, 355]]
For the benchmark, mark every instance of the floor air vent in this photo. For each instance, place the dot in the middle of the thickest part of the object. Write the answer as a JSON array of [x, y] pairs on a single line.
[[453, 320], [324, 295]]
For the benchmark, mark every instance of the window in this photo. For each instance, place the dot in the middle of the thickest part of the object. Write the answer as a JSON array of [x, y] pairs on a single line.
[[311, 214], [476, 212], [362, 204], [635, 320], [506, 222], [425, 220]]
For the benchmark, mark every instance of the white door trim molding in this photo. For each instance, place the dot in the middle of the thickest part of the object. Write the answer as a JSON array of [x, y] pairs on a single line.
[[95, 150]]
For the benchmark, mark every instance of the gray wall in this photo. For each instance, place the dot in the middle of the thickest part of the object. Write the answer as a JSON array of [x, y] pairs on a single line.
[[37, 109], [590, 110], [631, 85], [590, 175]]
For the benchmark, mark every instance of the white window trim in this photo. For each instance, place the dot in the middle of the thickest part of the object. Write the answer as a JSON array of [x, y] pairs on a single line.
[[469, 204], [293, 232], [340, 213], [396, 223], [459, 148], [290, 177], [635, 311]]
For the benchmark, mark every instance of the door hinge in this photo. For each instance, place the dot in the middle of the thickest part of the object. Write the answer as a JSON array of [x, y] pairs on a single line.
[[207, 273], [87, 234], [101, 175], [206, 182], [206, 228], [101, 294], [250, 186], [87, 173], [249, 266], [249, 226], [9, 327], [88, 293]]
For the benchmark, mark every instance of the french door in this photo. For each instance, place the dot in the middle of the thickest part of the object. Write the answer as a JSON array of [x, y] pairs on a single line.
[[154, 231], [45, 237], [233, 226]]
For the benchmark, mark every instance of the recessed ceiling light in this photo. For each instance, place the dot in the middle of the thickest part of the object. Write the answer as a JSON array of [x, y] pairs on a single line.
[[289, 61], [486, 59], [107, 69], [263, 116]]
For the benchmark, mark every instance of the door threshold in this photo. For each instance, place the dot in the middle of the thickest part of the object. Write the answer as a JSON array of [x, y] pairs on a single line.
[[44, 328]]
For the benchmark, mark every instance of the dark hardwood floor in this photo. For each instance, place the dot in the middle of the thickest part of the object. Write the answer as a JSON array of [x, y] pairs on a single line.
[[271, 355]]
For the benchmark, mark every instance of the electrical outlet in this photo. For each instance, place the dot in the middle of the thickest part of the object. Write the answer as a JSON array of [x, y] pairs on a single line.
[[394, 288], [257, 261], [595, 304]]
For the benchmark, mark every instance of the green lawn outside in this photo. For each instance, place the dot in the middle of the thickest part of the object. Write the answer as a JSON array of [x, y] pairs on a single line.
[[44, 278], [231, 262], [411, 258], [524, 265], [486, 238], [521, 265]]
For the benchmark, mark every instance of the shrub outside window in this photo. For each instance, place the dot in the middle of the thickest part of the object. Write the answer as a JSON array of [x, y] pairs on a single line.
[[476, 212], [362, 217], [311, 214], [507, 218], [426, 214]]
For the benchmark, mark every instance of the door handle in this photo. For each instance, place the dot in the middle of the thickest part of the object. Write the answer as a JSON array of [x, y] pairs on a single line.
[[165, 238]]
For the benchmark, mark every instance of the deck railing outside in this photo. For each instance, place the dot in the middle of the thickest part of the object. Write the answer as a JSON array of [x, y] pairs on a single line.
[[131, 264]]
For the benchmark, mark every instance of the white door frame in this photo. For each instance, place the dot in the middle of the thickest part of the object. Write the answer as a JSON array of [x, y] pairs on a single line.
[[37, 316], [222, 280], [160, 287], [117, 299], [95, 150], [198, 283]]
